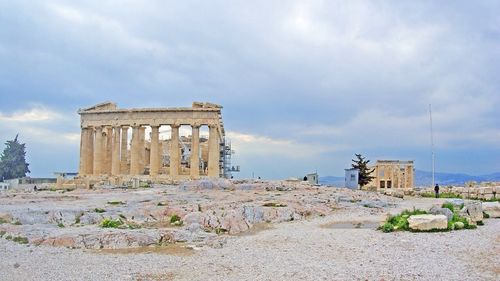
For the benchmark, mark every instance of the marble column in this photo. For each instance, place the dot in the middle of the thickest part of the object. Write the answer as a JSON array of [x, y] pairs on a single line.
[[154, 165], [89, 165], [98, 151], [84, 157], [213, 152], [174, 152], [115, 157], [195, 152], [135, 168], [142, 149], [124, 151], [108, 150]]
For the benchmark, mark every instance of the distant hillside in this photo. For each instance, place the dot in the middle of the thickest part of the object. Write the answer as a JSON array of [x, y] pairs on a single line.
[[332, 180], [424, 178]]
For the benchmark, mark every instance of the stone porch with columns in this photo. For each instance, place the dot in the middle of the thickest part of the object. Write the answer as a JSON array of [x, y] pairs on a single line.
[[108, 150]]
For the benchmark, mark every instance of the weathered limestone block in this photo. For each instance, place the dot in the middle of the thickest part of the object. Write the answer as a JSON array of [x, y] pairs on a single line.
[[442, 211], [473, 210], [428, 222], [492, 209]]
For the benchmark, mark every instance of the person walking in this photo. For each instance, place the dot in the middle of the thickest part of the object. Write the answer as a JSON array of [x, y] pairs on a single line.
[[436, 190]]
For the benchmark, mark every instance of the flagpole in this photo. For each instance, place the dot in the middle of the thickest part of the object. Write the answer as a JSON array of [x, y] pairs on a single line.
[[432, 147]]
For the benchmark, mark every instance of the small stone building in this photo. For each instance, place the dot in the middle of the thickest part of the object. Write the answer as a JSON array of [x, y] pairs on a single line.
[[352, 178], [393, 174], [313, 178]]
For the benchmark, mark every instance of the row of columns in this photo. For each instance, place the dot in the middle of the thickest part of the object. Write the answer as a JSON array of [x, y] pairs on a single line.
[[104, 151]]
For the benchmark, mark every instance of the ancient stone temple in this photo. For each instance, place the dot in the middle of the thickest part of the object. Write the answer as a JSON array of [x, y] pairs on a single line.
[[395, 174], [114, 142]]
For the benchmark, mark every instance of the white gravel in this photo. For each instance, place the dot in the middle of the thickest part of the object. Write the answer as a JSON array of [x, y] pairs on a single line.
[[290, 251]]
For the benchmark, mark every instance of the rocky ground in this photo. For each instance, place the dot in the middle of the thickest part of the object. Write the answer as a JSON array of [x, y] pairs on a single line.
[[232, 231]]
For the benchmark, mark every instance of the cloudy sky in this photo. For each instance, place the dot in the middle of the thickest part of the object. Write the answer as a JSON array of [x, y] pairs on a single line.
[[304, 84]]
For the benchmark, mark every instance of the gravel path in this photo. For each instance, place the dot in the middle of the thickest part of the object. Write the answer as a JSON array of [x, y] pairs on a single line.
[[304, 250]]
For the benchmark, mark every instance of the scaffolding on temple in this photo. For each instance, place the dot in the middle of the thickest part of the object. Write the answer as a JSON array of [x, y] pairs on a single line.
[[225, 159]]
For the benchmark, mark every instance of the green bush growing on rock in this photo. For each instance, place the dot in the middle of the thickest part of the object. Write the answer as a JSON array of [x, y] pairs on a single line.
[[20, 240], [486, 216], [452, 225], [220, 230], [60, 225], [387, 227], [99, 210], [274, 204], [110, 223], [400, 222], [17, 223], [2, 233], [175, 220], [116, 203], [441, 195], [449, 206]]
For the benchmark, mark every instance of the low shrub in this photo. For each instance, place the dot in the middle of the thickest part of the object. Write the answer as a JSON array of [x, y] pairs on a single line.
[[20, 240], [274, 204], [220, 230], [449, 206], [116, 203], [175, 220], [110, 223], [441, 195], [387, 227], [400, 222], [99, 210], [60, 225]]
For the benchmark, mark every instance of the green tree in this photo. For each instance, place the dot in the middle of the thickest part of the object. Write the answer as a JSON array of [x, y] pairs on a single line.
[[364, 172], [13, 160]]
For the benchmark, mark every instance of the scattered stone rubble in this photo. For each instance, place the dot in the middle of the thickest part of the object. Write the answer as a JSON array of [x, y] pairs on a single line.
[[206, 208], [480, 192], [208, 211]]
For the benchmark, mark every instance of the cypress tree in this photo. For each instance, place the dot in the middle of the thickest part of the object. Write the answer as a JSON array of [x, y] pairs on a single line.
[[364, 172], [13, 160]]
